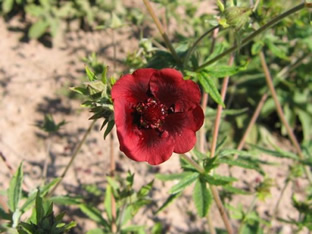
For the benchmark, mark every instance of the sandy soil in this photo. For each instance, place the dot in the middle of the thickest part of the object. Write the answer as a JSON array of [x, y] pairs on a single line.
[[34, 80]]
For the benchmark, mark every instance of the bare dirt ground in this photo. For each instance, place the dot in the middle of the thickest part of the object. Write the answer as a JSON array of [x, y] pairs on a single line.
[[34, 80]]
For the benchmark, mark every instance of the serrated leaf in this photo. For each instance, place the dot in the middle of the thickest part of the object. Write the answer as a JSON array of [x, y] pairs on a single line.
[[210, 88], [38, 29], [94, 214], [217, 179], [15, 189], [169, 200], [202, 198], [184, 182], [228, 152]]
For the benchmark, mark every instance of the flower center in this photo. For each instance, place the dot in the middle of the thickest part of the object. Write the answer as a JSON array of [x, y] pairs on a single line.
[[152, 113]]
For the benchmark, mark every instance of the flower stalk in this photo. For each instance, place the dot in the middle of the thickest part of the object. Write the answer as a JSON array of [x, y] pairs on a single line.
[[73, 157], [281, 115]]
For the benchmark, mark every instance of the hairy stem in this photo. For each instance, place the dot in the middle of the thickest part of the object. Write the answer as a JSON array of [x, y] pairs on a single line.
[[161, 30], [219, 112], [275, 212], [251, 207], [252, 121], [255, 33], [74, 155], [281, 115], [214, 190]]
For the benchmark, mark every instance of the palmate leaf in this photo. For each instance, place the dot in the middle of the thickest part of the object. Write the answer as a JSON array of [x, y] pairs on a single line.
[[202, 198], [15, 189]]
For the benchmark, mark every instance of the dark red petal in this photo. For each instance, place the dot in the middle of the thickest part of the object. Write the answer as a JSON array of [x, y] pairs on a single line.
[[170, 88], [182, 127], [140, 144], [133, 87]]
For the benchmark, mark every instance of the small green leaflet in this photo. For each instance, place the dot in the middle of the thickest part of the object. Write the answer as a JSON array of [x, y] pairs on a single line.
[[202, 198], [93, 214], [15, 189], [210, 88], [169, 200], [184, 182]]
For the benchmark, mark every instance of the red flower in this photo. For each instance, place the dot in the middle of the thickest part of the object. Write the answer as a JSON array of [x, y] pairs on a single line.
[[156, 113]]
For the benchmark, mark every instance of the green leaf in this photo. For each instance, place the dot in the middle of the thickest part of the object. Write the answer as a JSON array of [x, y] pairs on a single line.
[[235, 190], [15, 189], [7, 6], [221, 71], [93, 214], [169, 200], [108, 201], [4, 215], [96, 231], [133, 229], [109, 128], [185, 181], [217, 179], [91, 75], [145, 189], [210, 88], [173, 176], [66, 200], [34, 10], [243, 164], [43, 191], [38, 29], [257, 47], [16, 217], [202, 198]]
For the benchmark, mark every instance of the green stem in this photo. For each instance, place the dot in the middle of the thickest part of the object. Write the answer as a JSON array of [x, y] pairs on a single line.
[[255, 33], [74, 155], [281, 114], [251, 207], [191, 50]]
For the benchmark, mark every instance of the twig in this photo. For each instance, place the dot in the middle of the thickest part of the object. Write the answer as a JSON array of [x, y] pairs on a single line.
[[251, 207], [252, 122], [214, 190], [255, 33], [219, 112], [161, 30], [74, 155], [281, 115], [280, 198]]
